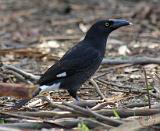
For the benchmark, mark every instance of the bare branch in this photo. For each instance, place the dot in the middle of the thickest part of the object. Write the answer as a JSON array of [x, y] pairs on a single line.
[[139, 123], [21, 72], [147, 87], [97, 116], [97, 88], [132, 60]]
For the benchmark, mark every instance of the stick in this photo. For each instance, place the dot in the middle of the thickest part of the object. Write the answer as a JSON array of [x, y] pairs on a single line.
[[132, 105], [21, 72], [97, 88], [95, 123], [61, 123], [132, 60], [72, 122], [19, 77], [62, 107], [123, 113], [82, 103], [101, 105], [114, 84], [45, 114], [97, 116], [130, 88], [17, 116], [137, 124], [147, 87], [30, 125]]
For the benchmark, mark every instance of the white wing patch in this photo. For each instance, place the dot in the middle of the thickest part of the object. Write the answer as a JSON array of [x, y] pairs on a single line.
[[62, 74], [46, 88]]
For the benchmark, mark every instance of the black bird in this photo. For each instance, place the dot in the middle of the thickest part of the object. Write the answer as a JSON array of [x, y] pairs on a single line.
[[81, 61]]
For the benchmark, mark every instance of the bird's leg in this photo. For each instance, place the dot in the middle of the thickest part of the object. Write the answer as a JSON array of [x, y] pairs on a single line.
[[77, 98], [73, 93], [22, 102]]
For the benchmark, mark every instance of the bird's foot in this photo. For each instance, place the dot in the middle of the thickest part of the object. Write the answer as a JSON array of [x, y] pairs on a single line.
[[77, 98]]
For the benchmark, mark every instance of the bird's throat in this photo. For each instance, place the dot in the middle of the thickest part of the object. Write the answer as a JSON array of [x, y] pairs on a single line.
[[99, 43]]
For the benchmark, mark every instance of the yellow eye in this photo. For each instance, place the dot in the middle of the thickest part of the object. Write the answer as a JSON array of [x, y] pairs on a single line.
[[106, 24]]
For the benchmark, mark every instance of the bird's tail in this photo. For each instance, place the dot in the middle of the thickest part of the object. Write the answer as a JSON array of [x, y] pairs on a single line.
[[22, 102], [36, 92]]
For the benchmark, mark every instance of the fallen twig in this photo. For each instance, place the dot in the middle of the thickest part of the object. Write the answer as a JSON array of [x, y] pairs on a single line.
[[101, 105], [114, 84], [97, 116], [132, 105], [97, 88], [127, 88], [123, 113], [66, 123], [3, 114], [139, 123], [87, 103], [47, 114], [147, 87], [30, 125], [21, 72], [62, 107], [132, 60], [72, 122], [95, 123], [19, 77]]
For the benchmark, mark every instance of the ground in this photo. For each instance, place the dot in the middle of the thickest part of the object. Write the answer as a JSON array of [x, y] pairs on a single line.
[[35, 34]]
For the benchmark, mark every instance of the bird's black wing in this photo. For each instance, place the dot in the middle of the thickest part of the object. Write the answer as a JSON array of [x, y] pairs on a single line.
[[73, 62]]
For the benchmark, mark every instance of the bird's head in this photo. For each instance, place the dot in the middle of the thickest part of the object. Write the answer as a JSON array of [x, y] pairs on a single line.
[[105, 27]]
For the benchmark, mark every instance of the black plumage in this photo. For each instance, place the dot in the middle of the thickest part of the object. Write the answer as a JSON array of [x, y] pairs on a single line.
[[81, 61]]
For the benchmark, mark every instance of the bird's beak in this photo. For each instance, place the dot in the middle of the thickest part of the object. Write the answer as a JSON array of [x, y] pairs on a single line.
[[120, 22]]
